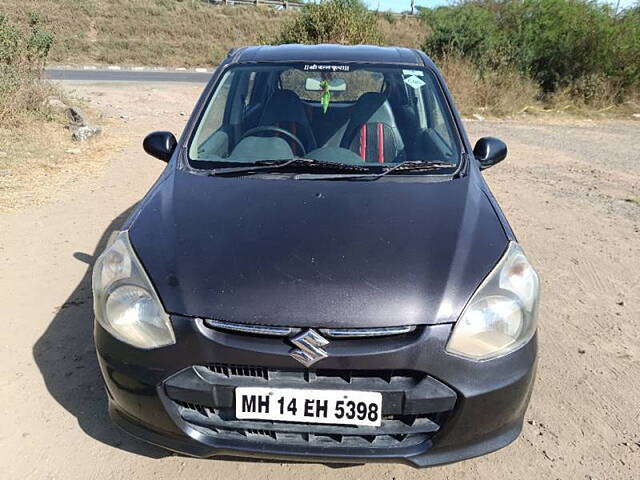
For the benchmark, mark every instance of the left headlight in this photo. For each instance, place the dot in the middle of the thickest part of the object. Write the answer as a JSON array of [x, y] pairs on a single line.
[[501, 315], [124, 300]]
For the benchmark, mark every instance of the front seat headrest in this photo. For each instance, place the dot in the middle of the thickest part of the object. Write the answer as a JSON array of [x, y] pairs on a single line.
[[372, 108], [284, 106]]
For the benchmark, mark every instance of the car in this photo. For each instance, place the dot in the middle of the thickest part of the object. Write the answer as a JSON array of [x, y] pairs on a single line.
[[320, 273]]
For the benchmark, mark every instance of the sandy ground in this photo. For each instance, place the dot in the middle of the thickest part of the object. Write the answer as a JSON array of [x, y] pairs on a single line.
[[571, 192]]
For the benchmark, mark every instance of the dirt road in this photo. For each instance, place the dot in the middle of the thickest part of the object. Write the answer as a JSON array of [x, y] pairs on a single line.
[[572, 194]]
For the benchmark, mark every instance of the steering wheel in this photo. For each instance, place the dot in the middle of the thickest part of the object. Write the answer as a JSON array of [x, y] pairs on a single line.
[[270, 128]]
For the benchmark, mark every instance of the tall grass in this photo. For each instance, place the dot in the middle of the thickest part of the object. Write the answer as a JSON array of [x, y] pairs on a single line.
[[499, 55], [499, 93], [187, 33], [22, 57], [581, 48]]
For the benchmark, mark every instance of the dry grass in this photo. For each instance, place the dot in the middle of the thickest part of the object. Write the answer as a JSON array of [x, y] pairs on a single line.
[[23, 93], [504, 93], [165, 32], [595, 97], [509, 93], [37, 160], [23, 99], [402, 31], [146, 32]]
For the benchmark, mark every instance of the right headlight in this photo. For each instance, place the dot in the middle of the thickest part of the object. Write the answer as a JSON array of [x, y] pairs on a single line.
[[501, 315], [124, 300]]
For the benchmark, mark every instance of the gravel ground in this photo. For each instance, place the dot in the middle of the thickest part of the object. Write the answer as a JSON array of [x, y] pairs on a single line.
[[571, 193]]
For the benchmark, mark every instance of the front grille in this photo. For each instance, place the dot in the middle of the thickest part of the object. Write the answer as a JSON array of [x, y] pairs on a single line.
[[415, 406], [337, 378], [280, 331], [239, 371], [395, 432]]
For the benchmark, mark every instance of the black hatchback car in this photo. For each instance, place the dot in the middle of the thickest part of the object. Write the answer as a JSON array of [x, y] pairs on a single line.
[[320, 273]]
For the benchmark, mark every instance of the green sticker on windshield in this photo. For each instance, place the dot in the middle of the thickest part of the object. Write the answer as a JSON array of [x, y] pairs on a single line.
[[326, 95]]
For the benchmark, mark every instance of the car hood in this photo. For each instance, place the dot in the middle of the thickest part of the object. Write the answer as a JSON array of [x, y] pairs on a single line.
[[274, 251]]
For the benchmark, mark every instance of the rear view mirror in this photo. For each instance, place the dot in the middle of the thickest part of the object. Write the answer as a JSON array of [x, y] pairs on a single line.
[[160, 145], [335, 85], [489, 151]]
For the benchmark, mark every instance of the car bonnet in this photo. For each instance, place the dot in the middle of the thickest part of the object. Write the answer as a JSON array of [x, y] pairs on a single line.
[[273, 251]]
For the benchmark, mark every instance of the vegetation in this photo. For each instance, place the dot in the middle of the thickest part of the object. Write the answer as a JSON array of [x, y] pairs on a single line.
[[505, 56], [176, 33], [22, 57], [35, 147], [499, 56], [497, 93], [348, 21], [169, 33], [334, 21], [577, 47]]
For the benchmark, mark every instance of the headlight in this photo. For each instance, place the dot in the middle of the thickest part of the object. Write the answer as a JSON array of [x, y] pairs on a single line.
[[124, 301], [501, 315]]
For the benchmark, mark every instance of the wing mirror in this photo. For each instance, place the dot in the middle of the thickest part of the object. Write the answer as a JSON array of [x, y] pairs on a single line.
[[489, 151], [160, 145]]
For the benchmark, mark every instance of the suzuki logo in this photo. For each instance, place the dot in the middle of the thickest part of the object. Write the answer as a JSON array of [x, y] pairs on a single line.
[[309, 349]]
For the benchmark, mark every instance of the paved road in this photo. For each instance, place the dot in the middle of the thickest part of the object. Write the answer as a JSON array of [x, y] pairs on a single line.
[[126, 75]]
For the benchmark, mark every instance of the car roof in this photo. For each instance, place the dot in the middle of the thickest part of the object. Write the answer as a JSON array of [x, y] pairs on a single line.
[[325, 53]]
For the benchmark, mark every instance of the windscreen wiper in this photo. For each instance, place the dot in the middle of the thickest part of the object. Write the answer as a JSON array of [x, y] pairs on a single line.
[[279, 164], [412, 166]]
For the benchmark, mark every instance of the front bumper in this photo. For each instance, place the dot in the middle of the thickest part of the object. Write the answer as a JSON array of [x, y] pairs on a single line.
[[438, 408]]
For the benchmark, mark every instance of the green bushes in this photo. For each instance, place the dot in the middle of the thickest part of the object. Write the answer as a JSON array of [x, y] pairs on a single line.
[[469, 30], [503, 56], [22, 58], [332, 21], [571, 45]]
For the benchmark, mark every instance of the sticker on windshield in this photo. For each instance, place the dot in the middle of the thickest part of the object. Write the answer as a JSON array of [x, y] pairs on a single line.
[[414, 82], [417, 73], [327, 68]]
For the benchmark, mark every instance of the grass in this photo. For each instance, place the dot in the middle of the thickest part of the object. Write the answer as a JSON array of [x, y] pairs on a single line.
[[191, 33], [40, 158], [168, 33], [35, 147], [145, 32], [23, 52], [498, 94]]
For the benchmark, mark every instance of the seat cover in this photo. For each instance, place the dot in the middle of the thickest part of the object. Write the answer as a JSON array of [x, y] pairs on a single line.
[[372, 131], [285, 110]]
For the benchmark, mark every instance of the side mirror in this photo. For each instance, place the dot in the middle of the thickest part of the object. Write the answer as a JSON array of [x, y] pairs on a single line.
[[160, 145], [489, 151]]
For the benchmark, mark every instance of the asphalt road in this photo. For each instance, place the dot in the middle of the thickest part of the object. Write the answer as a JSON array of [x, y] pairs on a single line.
[[125, 75]]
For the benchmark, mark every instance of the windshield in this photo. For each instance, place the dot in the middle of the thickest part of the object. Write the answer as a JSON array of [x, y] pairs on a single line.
[[370, 115]]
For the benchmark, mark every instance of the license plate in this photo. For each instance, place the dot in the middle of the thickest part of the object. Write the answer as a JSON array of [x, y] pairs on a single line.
[[344, 407]]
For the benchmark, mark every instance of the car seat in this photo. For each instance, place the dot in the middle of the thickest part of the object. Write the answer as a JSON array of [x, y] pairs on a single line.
[[372, 131], [285, 110]]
